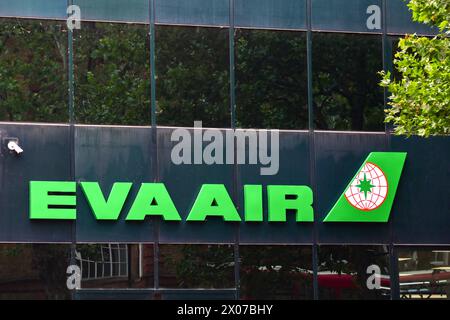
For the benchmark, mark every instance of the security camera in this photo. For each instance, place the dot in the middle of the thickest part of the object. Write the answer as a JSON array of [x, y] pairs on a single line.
[[13, 146]]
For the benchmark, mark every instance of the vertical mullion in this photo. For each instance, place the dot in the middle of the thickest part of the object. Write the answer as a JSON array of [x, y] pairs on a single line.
[[231, 35], [309, 65], [394, 272], [70, 74], [71, 110], [315, 262], [387, 58], [232, 66], [154, 132], [152, 62], [387, 66]]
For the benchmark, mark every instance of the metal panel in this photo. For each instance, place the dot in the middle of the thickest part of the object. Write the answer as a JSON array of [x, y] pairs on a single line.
[[399, 20], [183, 182], [327, 15], [274, 14], [193, 12], [114, 294], [338, 157], [420, 214], [46, 156], [343, 15], [114, 10], [112, 154], [150, 294], [42, 9], [294, 170], [107, 155], [198, 294]]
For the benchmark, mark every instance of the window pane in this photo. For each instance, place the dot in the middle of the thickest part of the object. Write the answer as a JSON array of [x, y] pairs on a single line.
[[197, 266], [276, 272], [354, 272], [424, 273], [112, 72], [347, 95], [33, 71], [134, 268], [192, 76], [34, 271], [271, 79]]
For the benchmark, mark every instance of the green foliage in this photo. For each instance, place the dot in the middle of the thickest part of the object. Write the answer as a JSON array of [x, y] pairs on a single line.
[[33, 83], [192, 76], [434, 12], [420, 99], [198, 266], [112, 74], [275, 272], [271, 79], [345, 83]]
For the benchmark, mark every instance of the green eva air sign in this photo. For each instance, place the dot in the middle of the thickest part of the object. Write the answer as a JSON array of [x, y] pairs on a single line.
[[368, 197]]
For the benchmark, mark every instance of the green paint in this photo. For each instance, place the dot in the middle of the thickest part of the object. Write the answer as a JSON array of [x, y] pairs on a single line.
[[253, 203], [283, 198], [365, 186], [106, 209], [213, 200], [153, 199], [40, 200], [391, 165]]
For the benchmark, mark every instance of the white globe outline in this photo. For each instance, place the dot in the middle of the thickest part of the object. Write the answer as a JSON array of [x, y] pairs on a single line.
[[368, 203]]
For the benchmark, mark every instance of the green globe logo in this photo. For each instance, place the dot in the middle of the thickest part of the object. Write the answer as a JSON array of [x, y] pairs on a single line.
[[369, 188], [368, 191]]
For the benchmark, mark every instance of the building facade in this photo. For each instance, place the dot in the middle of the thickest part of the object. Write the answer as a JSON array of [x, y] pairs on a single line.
[[106, 92]]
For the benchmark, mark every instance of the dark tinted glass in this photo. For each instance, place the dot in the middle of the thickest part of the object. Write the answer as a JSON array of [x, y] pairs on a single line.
[[33, 71], [34, 271], [347, 95], [192, 76], [424, 273], [354, 272], [115, 266], [196, 266], [271, 79], [112, 72], [276, 272]]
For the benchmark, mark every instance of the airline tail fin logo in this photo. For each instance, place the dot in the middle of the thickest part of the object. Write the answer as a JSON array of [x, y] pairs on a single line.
[[370, 194]]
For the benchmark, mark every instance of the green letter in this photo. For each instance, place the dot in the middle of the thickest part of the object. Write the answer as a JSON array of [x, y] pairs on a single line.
[[153, 199], [213, 200], [253, 203], [106, 209], [40, 200], [282, 198]]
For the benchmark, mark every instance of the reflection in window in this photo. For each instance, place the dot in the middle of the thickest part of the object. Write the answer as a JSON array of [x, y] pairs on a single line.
[[115, 265], [105, 261], [345, 82], [344, 272], [271, 79], [112, 72], [197, 266], [424, 273], [276, 272], [33, 71], [34, 271], [192, 82]]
